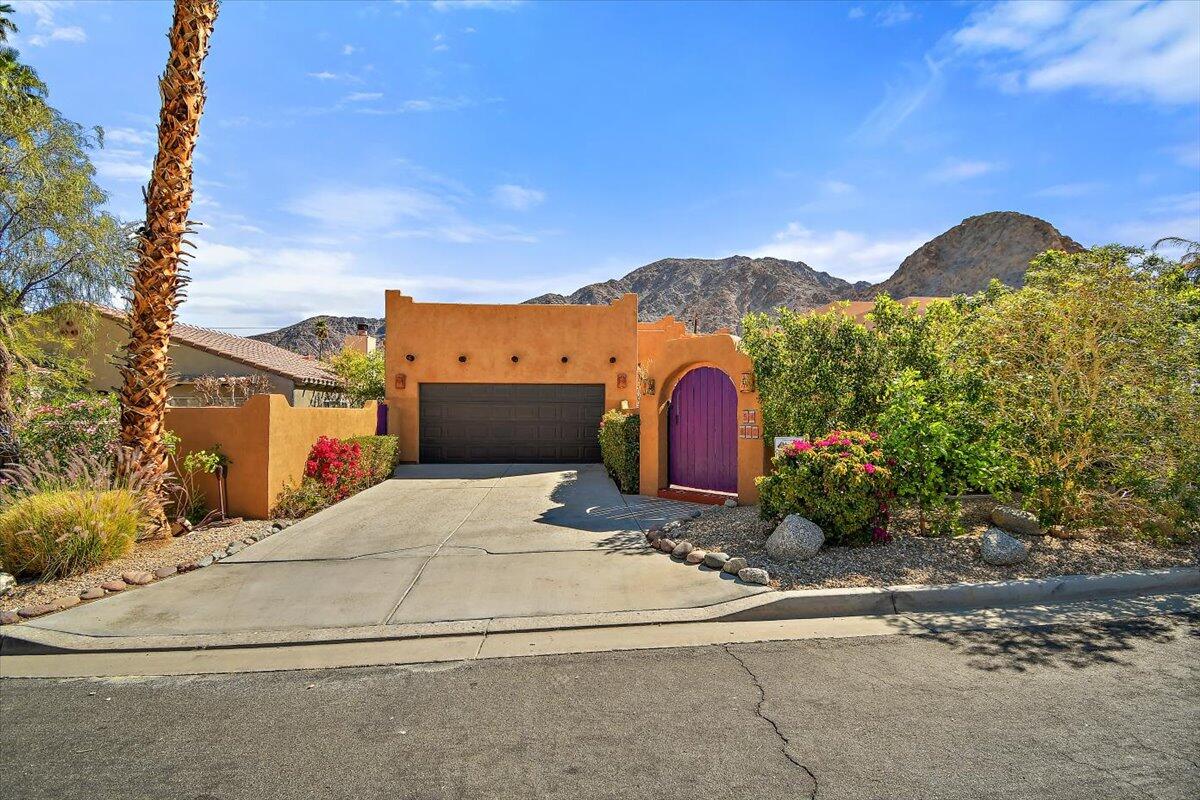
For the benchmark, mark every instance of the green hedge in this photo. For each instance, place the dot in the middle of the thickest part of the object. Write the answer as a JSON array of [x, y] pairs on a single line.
[[380, 455], [619, 447]]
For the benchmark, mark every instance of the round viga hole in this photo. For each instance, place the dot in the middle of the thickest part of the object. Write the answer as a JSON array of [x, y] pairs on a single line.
[[612, 359], [564, 359], [462, 359], [410, 357], [515, 359]]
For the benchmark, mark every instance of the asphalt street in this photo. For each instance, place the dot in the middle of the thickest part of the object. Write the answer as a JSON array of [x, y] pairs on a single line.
[[1097, 711]]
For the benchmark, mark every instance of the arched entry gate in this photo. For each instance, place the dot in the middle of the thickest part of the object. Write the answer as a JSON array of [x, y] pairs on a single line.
[[703, 432]]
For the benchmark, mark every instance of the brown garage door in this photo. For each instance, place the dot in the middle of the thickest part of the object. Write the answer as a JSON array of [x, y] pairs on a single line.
[[510, 423]]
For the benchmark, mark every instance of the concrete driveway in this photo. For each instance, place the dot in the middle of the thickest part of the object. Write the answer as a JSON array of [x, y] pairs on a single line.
[[436, 544]]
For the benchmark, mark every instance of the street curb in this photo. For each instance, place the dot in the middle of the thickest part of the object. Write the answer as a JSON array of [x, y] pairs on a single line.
[[766, 606]]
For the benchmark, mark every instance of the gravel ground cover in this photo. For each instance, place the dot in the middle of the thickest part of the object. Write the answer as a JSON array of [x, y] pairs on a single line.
[[145, 556], [912, 559]]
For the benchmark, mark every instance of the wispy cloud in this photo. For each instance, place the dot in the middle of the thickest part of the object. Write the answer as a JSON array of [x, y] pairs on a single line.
[[901, 100], [517, 198], [1122, 51], [856, 12], [362, 97], [128, 136], [955, 170], [893, 14], [349, 49], [46, 27], [469, 5], [122, 164], [847, 254], [1187, 154], [1081, 189]]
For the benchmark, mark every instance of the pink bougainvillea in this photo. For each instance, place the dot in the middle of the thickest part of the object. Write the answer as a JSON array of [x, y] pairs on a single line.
[[336, 464]]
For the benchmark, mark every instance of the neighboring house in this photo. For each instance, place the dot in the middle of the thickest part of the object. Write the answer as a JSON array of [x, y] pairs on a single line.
[[529, 383], [197, 352]]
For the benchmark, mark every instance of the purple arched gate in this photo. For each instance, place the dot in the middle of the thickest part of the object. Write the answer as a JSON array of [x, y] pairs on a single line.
[[703, 431]]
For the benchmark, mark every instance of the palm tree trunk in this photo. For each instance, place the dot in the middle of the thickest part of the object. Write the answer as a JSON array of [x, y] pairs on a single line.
[[159, 275]]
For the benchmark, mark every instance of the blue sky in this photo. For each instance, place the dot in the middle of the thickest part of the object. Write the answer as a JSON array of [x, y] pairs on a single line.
[[491, 151]]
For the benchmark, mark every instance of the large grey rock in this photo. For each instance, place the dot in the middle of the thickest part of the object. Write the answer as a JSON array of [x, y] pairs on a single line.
[[695, 557], [1016, 520], [730, 502], [754, 575], [734, 565], [795, 539], [7, 583], [998, 548]]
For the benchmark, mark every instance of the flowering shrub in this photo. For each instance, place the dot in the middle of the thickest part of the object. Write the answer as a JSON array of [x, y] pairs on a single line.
[[86, 427], [336, 465], [840, 482]]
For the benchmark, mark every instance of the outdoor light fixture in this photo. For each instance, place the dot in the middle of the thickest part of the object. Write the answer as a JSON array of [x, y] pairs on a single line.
[[612, 359], [621, 380], [410, 357], [515, 359], [401, 380], [747, 382], [564, 359], [462, 359], [649, 385]]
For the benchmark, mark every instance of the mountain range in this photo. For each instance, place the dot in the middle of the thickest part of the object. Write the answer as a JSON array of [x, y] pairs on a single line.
[[717, 293]]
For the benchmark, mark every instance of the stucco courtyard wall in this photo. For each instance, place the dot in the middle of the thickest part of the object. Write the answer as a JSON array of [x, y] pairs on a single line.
[[599, 343], [667, 352], [267, 442]]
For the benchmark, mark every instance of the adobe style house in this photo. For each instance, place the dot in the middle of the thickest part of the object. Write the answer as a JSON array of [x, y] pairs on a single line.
[[529, 383], [197, 352]]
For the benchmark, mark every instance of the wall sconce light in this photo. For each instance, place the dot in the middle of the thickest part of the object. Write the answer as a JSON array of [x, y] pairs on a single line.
[[747, 381], [462, 359], [401, 380], [564, 359], [410, 357], [515, 359], [649, 385], [622, 379], [612, 359]]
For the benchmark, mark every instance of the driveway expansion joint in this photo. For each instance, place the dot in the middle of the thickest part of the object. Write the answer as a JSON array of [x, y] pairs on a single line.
[[785, 742]]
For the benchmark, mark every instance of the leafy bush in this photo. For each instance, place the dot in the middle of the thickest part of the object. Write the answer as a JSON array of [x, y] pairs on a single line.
[[59, 431], [297, 502], [839, 482], [619, 448], [937, 447], [55, 534], [336, 465], [1091, 373], [379, 457]]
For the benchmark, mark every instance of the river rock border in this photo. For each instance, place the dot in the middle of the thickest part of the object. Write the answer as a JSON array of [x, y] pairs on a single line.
[[134, 578], [660, 539]]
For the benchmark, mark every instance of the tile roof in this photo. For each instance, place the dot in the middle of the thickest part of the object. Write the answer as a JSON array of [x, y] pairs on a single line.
[[250, 352]]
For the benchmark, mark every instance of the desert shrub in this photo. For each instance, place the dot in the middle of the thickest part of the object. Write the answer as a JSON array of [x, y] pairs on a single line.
[[1091, 371], [58, 431], [304, 500], [336, 465], [937, 447], [619, 447], [379, 456], [839, 482], [362, 375], [230, 390], [54, 534]]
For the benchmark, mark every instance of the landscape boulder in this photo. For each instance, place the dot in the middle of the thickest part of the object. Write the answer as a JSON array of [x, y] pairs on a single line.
[[715, 560], [998, 548], [734, 565], [695, 557], [666, 545], [1016, 520], [730, 502], [682, 549], [7, 583], [795, 539], [754, 575]]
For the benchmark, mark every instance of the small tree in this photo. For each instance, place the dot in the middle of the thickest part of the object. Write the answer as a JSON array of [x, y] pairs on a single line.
[[362, 375], [57, 244], [1093, 370]]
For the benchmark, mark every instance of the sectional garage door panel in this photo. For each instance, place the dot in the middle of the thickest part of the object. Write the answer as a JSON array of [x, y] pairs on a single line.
[[510, 422]]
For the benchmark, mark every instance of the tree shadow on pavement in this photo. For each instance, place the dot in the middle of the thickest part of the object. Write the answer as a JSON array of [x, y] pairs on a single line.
[[1065, 646]]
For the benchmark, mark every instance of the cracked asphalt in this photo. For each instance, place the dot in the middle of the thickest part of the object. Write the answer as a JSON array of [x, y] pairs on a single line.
[[1096, 711]]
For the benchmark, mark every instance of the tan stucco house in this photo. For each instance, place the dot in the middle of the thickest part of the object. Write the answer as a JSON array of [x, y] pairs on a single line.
[[197, 352], [529, 383]]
